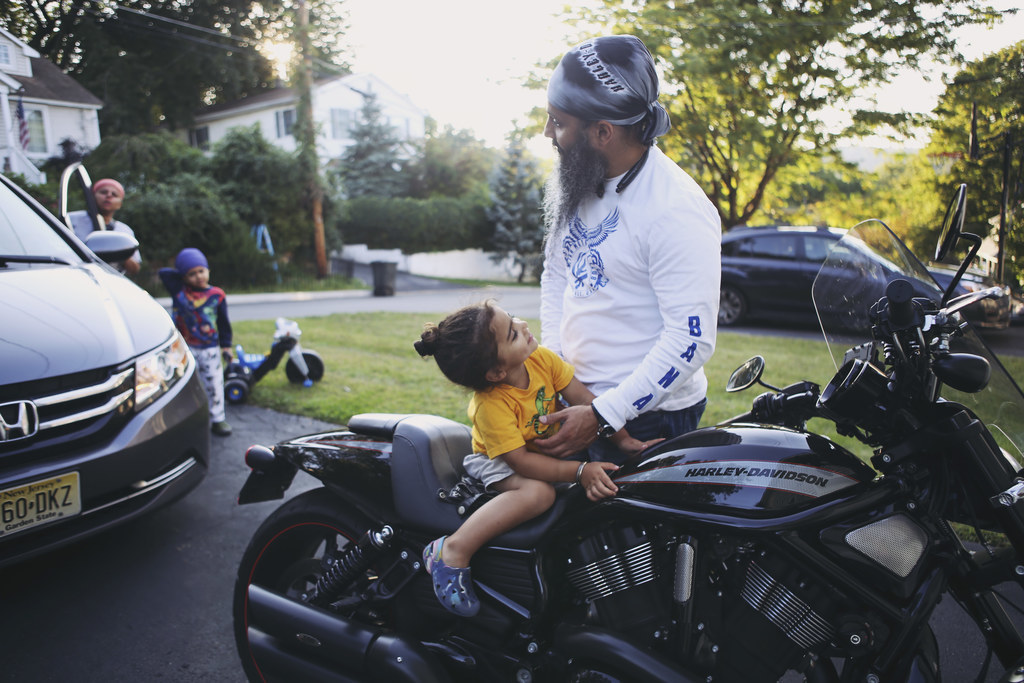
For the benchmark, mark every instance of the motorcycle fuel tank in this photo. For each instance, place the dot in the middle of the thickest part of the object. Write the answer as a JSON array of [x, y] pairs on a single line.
[[750, 470]]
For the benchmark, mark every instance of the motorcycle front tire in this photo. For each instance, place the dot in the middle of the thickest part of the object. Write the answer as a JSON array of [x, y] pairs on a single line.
[[286, 556], [314, 363]]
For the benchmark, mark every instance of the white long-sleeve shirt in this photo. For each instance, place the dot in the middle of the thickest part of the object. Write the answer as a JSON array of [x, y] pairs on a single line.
[[629, 295]]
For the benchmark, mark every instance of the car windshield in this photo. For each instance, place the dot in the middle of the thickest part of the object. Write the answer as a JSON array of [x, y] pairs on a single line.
[[23, 232], [854, 276]]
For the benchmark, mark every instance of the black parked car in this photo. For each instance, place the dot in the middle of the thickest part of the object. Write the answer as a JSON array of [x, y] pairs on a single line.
[[102, 416], [767, 271], [989, 314]]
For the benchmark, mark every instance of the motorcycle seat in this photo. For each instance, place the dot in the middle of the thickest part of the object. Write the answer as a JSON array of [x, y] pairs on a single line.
[[426, 457]]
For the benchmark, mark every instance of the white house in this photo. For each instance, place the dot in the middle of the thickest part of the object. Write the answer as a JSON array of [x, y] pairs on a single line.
[[56, 108], [337, 102]]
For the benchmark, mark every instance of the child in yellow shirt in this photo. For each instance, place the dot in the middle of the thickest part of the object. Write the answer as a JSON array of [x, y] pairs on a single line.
[[515, 381]]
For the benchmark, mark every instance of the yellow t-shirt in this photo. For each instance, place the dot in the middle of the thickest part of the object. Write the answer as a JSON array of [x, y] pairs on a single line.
[[506, 417]]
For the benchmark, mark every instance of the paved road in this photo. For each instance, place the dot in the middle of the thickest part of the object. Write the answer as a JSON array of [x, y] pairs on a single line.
[[151, 600]]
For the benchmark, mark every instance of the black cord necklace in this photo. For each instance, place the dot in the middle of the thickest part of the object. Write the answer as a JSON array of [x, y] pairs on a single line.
[[629, 176]]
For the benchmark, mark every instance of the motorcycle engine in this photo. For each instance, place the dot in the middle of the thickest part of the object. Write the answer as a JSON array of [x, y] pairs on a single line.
[[722, 608], [614, 570]]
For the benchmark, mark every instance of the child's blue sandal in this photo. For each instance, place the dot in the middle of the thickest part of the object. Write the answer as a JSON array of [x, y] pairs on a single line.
[[452, 585]]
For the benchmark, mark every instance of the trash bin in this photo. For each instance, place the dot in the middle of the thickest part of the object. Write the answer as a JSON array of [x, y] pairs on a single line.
[[384, 273]]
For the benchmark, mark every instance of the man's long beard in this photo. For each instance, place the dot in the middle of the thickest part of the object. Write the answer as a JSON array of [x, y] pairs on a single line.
[[580, 171]]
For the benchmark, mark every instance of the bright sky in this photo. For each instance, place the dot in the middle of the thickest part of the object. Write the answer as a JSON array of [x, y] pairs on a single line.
[[463, 61]]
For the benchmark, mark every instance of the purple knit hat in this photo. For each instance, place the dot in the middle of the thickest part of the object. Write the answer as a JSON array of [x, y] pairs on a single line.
[[188, 259]]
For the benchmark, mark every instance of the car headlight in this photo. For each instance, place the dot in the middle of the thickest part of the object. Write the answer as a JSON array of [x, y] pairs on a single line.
[[972, 286], [159, 370]]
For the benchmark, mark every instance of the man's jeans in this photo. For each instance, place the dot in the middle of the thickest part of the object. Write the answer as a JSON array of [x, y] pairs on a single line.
[[653, 425]]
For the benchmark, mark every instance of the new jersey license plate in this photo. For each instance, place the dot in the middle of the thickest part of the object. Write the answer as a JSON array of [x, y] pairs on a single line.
[[40, 502]]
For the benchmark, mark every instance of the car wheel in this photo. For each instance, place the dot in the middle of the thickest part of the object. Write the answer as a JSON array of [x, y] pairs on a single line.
[[732, 306]]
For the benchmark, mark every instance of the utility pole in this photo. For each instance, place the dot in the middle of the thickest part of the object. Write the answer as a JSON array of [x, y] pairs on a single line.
[[305, 136], [1004, 200]]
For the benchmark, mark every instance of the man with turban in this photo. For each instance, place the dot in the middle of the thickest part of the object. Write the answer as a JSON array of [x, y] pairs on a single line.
[[109, 196], [629, 294]]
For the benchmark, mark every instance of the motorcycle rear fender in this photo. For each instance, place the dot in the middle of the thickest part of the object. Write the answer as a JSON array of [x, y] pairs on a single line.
[[357, 463], [270, 476]]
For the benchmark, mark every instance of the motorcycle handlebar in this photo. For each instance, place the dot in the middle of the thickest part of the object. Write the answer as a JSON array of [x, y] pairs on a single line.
[[784, 408], [900, 294]]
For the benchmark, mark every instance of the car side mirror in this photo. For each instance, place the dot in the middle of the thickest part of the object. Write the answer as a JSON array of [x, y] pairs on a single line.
[[110, 246]]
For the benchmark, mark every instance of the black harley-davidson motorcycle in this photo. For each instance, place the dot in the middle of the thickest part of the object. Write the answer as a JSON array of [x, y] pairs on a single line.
[[734, 553]]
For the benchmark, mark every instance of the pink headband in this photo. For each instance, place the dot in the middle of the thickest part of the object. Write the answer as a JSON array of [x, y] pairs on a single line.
[[108, 181]]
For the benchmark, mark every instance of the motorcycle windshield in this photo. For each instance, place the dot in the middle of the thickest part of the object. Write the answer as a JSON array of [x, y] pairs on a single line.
[[854, 276]]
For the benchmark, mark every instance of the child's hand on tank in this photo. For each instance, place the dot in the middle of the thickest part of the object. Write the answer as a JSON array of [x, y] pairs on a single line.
[[595, 480]]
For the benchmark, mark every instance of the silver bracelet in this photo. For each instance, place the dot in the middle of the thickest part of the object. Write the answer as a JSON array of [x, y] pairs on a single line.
[[579, 472]]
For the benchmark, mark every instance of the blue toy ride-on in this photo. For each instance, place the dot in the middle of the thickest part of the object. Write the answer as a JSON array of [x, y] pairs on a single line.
[[303, 367]]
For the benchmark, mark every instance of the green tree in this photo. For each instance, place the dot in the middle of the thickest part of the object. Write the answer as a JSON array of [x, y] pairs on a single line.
[[981, 116], [156, 62], [143, 161], [746, 82], [451, 163], [517, 188], [372, 166], [249, 170]]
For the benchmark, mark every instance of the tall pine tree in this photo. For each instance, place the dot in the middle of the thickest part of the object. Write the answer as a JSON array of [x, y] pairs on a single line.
[[516, 191], [372, 165]]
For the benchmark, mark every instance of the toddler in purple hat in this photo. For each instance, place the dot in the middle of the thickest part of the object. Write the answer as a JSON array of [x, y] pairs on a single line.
[[200, 313]]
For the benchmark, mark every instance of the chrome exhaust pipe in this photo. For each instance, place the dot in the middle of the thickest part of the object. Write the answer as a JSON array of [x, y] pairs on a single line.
[[282, 630]]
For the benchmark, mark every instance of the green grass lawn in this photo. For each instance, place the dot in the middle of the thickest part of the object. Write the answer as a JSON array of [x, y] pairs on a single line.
[[371, 366]]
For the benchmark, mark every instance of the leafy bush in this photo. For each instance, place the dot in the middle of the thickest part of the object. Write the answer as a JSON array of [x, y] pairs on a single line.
[[142, 162], [258, 180], [415, 225], [189, 211]]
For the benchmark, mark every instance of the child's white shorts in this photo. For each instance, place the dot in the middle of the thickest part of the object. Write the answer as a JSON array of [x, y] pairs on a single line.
[[488, 470]]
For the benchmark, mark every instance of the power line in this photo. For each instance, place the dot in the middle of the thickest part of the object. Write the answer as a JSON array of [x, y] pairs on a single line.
[[185, 24], [244, 43]]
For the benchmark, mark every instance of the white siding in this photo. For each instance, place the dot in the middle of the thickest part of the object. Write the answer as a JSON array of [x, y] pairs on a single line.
[[340, 94], [80, 125]]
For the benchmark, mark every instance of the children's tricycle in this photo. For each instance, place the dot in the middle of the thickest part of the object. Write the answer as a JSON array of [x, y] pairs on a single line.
[[303, 366]]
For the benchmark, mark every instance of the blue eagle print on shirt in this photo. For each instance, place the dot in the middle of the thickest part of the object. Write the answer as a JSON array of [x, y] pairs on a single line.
[[581, 255]]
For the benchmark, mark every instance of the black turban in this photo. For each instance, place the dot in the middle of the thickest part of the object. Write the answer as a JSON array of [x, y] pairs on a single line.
[[611, 78]]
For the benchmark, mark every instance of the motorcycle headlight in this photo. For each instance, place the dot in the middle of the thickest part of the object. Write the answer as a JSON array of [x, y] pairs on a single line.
[[159, 370]]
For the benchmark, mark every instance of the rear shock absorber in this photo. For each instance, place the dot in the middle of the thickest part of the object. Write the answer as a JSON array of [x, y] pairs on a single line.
[[356, 560]]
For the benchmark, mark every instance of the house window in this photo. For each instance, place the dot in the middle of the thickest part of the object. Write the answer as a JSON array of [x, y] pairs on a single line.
[[36, 131], [5, 54], [341, 124], [285, 122], [200, 137]]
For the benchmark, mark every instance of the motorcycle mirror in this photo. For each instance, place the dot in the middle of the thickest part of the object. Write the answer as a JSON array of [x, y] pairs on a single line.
[[953, 223], [746, 375]]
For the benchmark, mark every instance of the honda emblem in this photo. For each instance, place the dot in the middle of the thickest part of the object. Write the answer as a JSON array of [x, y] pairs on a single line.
[[18, 420]]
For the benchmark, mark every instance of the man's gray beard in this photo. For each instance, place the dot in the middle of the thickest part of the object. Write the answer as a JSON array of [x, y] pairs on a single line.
[[580, 171]]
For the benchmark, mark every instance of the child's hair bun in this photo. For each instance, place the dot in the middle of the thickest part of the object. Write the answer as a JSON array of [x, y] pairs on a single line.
[[426, 345]]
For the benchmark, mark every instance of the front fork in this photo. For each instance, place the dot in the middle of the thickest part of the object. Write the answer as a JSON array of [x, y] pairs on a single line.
[[973, 589]]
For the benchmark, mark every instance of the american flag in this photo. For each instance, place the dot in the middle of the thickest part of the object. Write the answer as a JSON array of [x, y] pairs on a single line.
[[23, 125]]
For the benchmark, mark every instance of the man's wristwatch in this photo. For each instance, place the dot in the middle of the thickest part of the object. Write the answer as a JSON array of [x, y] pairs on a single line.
[[604, 430]]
